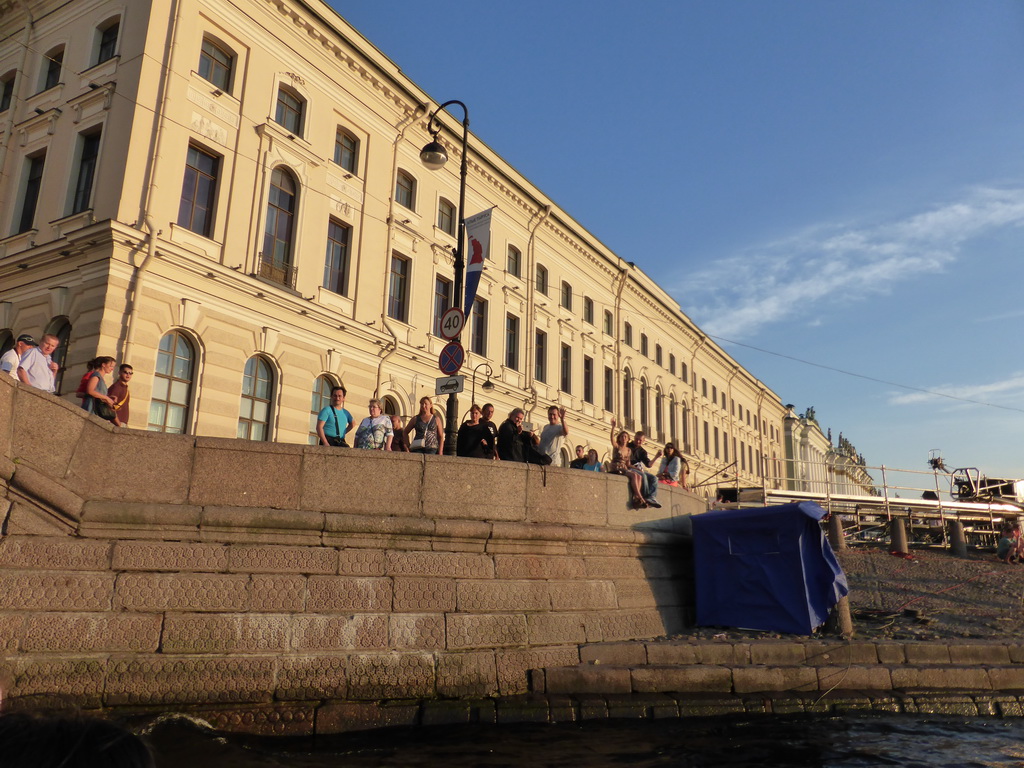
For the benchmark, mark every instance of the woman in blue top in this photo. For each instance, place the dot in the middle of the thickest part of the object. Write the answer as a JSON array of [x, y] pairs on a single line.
[[593, 463], [96, 388], [334, 421]]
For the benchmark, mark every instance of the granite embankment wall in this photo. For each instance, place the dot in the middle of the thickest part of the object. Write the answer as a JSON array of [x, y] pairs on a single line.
[[142, 570]]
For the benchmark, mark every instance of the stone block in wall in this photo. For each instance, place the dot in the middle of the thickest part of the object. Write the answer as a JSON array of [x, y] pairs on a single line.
[[825, 654], [250, 525], [465, 531], [416, 631], [514, 664], [456, 488], [26, 519], [777, 653], [267, 720], [50, 493], [131, 520], [91, 632], [567, 496], [614, 567], [422, 595], [459, 565], [329, 476], [277, 593], [17, 552], [520, 547], [366, 531], [631, 625], [361, 562], [46, 431], [941, 677], [245, 473], [1006, 678], [499, 595], [979, 654], [758, 679], [189, 679], [328, 594], [362, 631], [220, 633], [265, 558], [926, 653], [181, 592], [538, 567], [614, 654], [467, 674], [55, 591], [169, 556], [692, 678], [854, 678], [586, 678], [485, 630], [307, 678], [364, 715], [11, 627], [557, 628], [133, 466], [73, 680], [673, 653], [390, 675], [582, 595]]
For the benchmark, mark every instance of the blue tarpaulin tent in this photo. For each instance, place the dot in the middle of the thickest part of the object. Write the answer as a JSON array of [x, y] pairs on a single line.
[[770, 569]]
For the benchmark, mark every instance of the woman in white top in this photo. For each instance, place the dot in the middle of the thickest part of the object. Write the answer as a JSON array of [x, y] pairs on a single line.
[[671, 465], [374, 432]]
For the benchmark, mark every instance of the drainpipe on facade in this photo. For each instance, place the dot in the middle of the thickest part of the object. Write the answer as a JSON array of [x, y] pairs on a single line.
[[145, 216], [8, 130], [531, 325]]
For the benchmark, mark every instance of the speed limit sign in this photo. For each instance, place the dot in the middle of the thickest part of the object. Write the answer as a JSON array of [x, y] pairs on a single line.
[[452, 322]]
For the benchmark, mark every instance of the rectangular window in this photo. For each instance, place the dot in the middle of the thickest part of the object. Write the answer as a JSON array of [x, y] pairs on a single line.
[[588, 379], [108, 43], [515, 261], [398, 288], [566, 295], [336, 262], [215, 65], [33, 183], [566, 368], [289, 111], [672, 364], [683, 374], [588, 310], [195, 211], [442, 301], [346, 151], [743, 456], [405, 191], [479, 338], [542, 279], [628, 334], [707, 438], [90, 150], [6, 92], [704, 388], [657, 354], [609, 323], [725, 445], [54, 62], [714, 394], [446, 217], [512, 342], [540, 352], [609, 389], [643, 345]]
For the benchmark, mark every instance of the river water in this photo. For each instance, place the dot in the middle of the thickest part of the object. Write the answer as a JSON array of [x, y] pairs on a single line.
[[767, 742]]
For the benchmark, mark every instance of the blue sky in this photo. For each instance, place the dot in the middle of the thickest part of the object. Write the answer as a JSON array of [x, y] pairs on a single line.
[[841, 183]]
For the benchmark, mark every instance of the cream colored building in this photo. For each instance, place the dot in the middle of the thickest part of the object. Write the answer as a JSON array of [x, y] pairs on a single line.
[[814, 465], [228, 195]]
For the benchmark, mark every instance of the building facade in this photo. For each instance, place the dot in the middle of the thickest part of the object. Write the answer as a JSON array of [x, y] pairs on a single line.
[[814, 465], [228, 195]]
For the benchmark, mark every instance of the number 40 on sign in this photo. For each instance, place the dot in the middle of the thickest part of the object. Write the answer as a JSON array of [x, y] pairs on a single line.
[[452, 322]]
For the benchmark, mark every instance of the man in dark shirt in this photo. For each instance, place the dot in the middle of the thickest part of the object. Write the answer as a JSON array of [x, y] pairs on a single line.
[[510, 437], [118, 392], [580, 460], [639, 456]]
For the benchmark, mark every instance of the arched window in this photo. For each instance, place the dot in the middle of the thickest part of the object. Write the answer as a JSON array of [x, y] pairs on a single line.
[[106, 40], [53, 62], [257, 394], [446, 217], [391, 407], [320, 399], [405, 190], [290, 110], [276, 260], [627, 399], [659, 423], [644, 416], [672, 421], [61, 328], [216, 64], [172, 385]]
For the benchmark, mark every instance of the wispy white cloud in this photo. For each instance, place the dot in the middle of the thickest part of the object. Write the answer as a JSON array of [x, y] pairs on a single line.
[[1009, 390], [793, 278]]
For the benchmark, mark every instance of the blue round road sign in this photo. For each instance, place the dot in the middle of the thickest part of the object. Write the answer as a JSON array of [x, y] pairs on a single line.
[[451, 359]]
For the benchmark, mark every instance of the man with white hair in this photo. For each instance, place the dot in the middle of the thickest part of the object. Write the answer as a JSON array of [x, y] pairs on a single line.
[[11, 360], [37, 368]]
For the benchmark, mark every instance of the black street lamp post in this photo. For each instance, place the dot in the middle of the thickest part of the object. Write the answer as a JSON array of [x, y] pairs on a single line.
[[434, 156]]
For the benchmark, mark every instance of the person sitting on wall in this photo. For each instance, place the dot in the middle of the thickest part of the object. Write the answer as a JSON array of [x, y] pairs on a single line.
[[474, 438], [334, 421], [671, 465], [1011, 545], [622, 464], [581, 459], [642, 462]]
